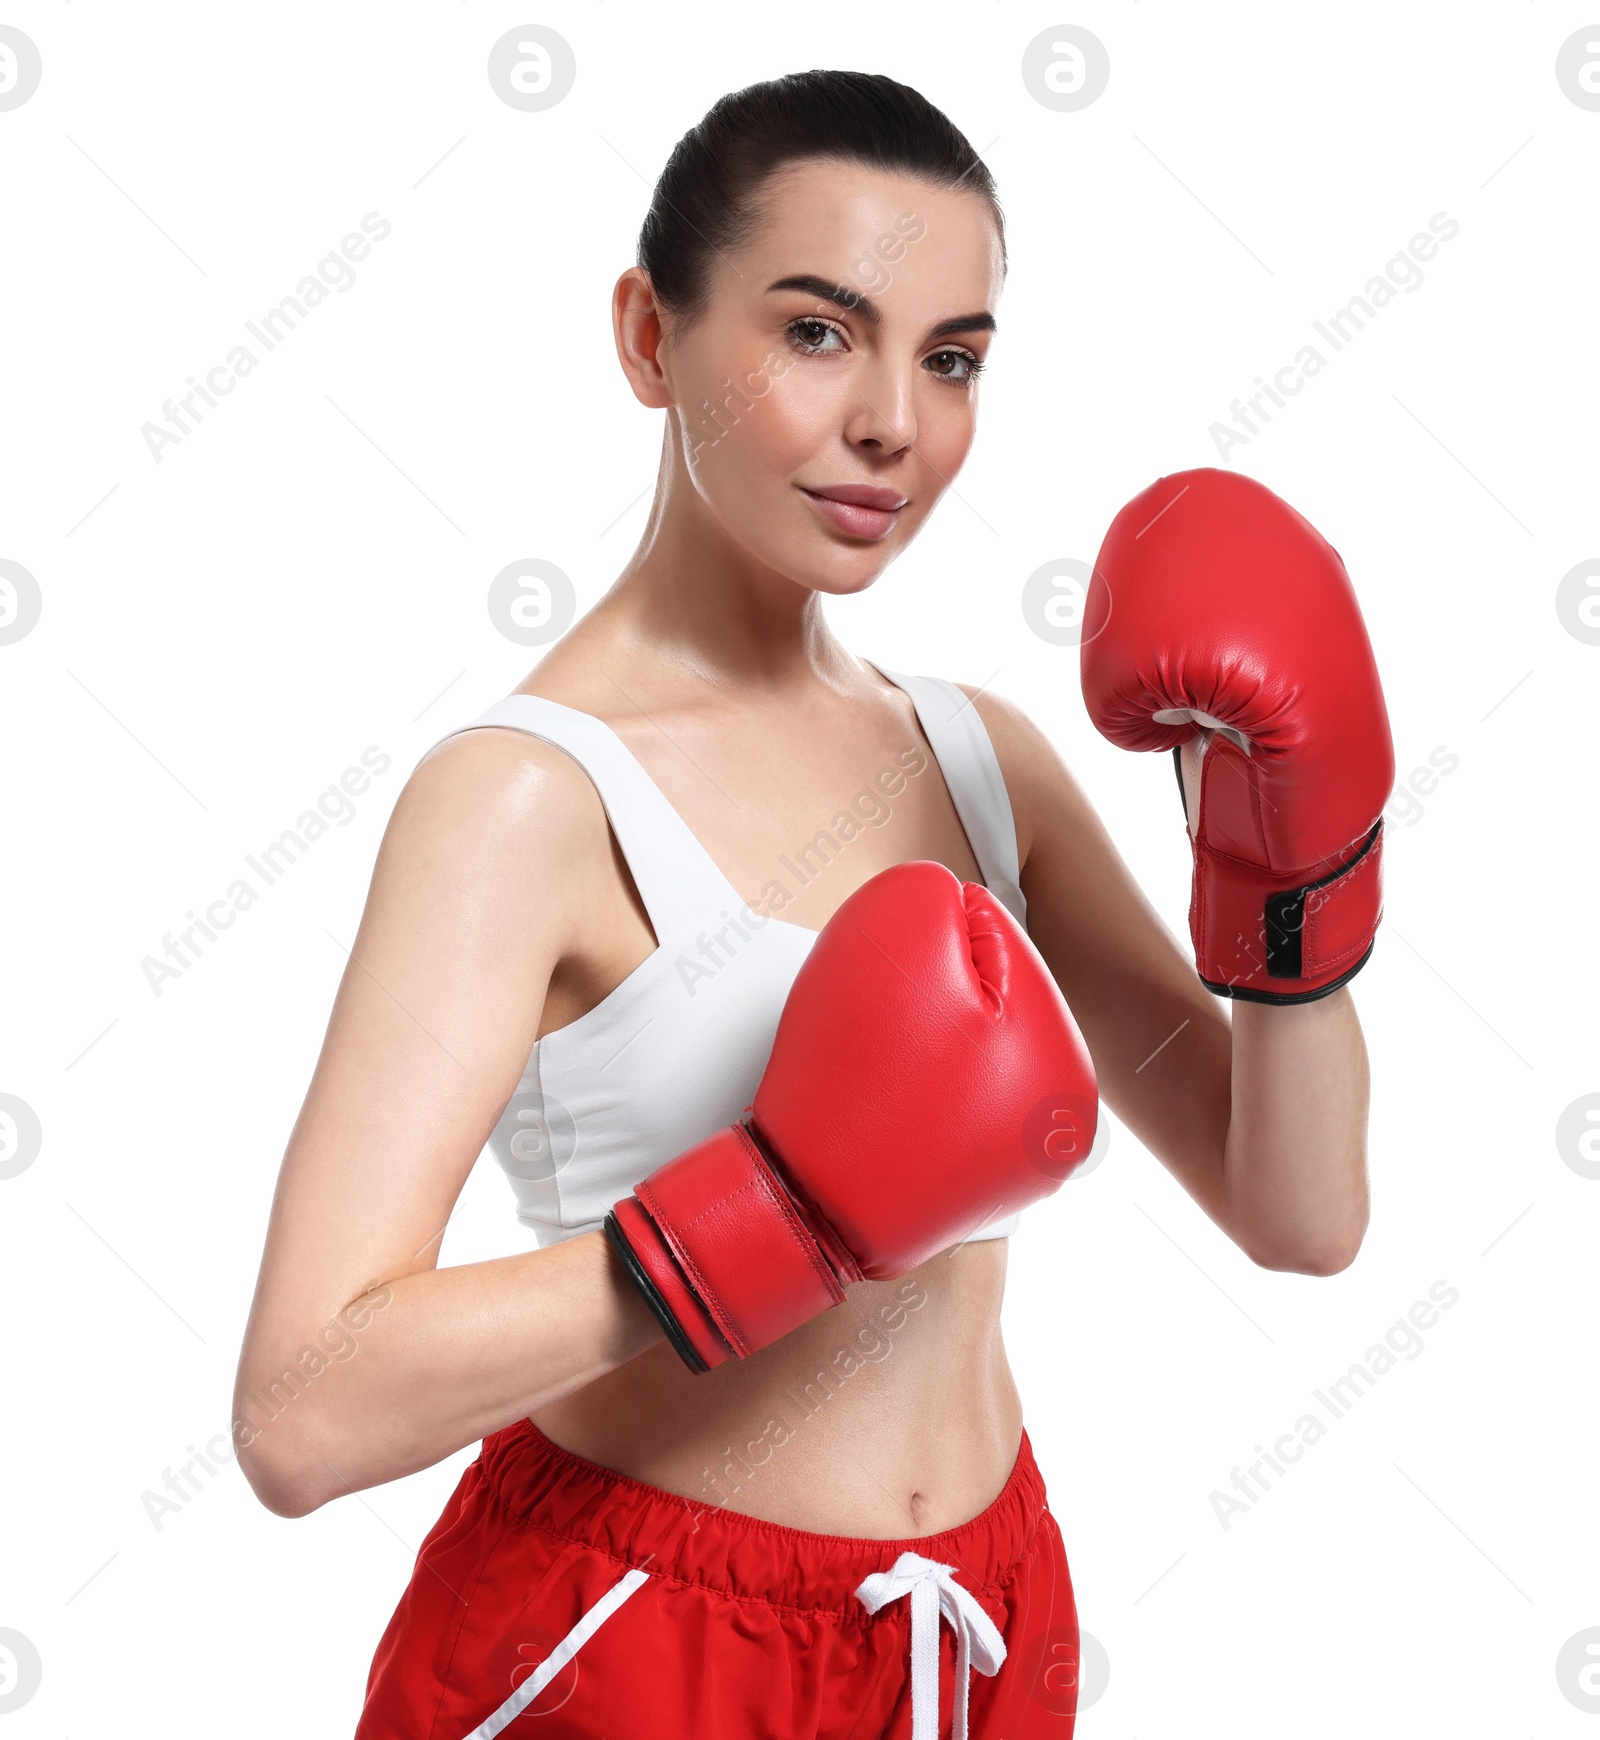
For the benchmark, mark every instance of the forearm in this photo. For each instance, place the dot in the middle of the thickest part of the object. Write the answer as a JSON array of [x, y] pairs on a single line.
[[1294, 1184], [445, 1356]]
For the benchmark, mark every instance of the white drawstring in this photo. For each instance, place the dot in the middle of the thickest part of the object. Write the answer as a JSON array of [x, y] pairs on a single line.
[[560, 1655], [934, 1591]]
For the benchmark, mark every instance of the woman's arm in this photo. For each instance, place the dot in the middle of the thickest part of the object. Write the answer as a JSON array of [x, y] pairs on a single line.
[[362, 1361], [1262, 1118]]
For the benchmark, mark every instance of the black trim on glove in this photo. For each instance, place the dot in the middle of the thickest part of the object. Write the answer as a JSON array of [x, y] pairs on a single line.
[[652, 1297], [1244, 994], [1283, 925]]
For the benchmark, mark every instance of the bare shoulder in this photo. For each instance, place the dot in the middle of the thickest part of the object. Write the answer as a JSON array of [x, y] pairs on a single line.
[[496, 804], [1044, 795], [1010, 729], [500, 773]]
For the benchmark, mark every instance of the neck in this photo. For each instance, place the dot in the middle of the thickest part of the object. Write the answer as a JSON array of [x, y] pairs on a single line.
[[691, 597]]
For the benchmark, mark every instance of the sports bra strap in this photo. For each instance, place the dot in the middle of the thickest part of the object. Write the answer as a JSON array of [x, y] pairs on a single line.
[[966, 757], [677, 879]]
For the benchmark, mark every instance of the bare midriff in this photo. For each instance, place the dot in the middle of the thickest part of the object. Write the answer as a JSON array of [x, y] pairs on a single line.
[[892, 1415]]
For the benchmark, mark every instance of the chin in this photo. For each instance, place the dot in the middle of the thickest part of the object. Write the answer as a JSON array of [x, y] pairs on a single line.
[[810, 558], [838, 585], [838, 569]]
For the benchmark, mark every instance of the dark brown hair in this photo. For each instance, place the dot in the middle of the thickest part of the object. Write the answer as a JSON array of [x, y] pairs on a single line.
[[707, 200]]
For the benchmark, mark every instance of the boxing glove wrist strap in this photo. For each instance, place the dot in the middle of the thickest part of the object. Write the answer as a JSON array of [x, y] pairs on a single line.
[[644, 1277], [1262, 942], [727, 1258]]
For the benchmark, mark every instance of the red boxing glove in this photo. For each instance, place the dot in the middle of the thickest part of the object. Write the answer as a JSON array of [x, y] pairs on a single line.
[[926, 1078], [1215, 605]]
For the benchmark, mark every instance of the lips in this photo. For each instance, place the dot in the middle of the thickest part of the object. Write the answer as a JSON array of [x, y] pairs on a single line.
[[863, 510]]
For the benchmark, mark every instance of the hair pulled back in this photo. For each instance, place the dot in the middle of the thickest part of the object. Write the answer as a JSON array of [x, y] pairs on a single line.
[[707, 200]]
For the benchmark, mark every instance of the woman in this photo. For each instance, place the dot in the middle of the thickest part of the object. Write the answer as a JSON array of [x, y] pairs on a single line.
[[640, 1549]]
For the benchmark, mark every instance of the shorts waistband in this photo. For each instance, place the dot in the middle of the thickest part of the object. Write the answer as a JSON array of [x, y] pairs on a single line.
[[537, 1484]]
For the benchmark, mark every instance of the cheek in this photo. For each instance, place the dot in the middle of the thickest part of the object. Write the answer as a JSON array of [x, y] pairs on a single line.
[[767, 422], [808, 403], [947, 420]]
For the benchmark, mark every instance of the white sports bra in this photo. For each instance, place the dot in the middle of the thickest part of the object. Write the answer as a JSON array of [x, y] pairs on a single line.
[[675, 1052]]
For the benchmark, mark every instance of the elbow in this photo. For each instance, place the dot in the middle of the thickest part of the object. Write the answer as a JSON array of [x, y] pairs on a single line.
[[1325, 1260], [286, 1499], [282, 1477], [1329, 1255]]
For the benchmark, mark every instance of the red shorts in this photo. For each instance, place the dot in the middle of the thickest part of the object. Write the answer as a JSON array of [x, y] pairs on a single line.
[[556, 1598]]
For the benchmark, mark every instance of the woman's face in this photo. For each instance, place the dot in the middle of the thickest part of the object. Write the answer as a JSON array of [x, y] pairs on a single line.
[[839, 352]]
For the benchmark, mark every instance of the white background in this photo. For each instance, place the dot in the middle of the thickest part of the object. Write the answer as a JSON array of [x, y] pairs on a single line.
[[224, 632]]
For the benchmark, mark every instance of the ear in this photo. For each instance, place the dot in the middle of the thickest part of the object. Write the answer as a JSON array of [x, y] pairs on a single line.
[[636, 327]]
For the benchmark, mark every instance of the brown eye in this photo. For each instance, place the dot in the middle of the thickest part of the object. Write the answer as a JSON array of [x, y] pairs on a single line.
[[809, 333], [969, 366]]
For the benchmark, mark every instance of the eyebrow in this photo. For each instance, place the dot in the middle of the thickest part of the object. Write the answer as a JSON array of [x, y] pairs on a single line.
[[852, 301]]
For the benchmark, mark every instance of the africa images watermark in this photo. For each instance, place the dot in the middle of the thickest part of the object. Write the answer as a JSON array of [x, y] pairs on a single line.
[[335, 1343], [333, 274], [1402, 1340], [1405, 804], [871, 274], [1401, 272], [870, 1345], [869, 808], [334, 809]]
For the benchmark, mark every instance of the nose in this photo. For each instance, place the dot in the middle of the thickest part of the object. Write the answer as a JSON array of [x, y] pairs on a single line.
[[883, 413]]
